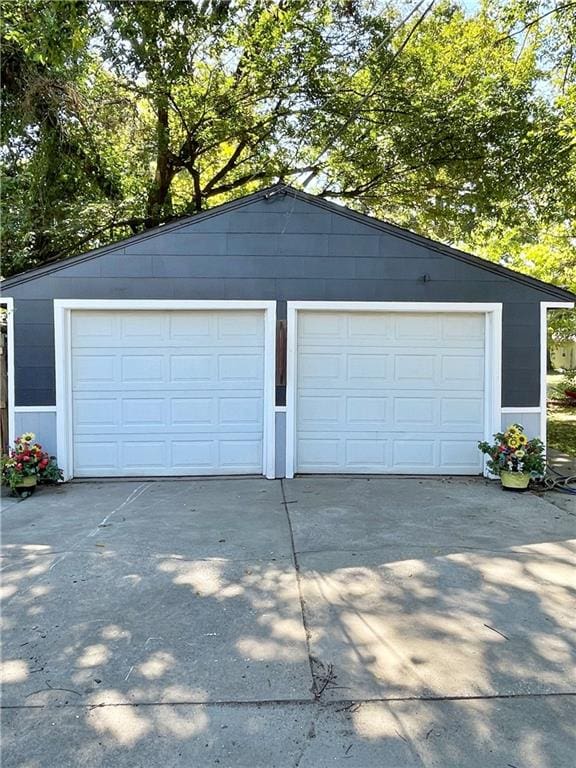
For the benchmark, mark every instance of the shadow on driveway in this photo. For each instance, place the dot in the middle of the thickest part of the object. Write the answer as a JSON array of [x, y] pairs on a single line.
[[303, 623]]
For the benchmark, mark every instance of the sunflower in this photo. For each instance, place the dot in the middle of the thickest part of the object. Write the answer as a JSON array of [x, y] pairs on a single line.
[[522, 439], [513, 442], [519, 454]]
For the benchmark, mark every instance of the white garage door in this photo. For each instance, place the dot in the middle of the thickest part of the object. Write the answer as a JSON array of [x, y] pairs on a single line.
[[389, 392], [167, 393]]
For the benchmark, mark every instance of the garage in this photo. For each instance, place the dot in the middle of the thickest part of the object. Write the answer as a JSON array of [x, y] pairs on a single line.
[[158, 393], [275, 334], [398, 392]]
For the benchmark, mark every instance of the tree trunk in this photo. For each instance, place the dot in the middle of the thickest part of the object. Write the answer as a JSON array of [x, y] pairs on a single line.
[[158, 203]]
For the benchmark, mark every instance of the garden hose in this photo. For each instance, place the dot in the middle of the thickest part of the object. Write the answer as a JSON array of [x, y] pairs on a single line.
[[559, 482]]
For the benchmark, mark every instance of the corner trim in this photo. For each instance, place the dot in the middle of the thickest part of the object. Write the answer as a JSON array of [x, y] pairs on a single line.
[[544, 307], [9, 302], [63, 309]]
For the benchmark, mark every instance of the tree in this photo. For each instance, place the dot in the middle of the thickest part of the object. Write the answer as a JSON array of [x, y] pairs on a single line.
[[120, 116]]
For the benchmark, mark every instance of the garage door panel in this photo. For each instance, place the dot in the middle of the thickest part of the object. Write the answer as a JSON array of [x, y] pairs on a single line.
[[415, 328], [385, 392], [317, 412], [376, 453], [240, 454], [374, 368], [320, 369], [191, 328], [95, 456], [245, 329], [463, 369], [415, 368], [420, 453], [194, 455], [142, 369], [367, 411], [368, 369], [361, 453], [197, 412], [318, 453], [190, 369], [144, 412], [411, 411], [150, 404], [145, 326], [468, 330], [365, 329], [245, 369], [89, 370], [322, 328], [459, 453], [464, 412], [138, 453], [96, 412], [94, 329]]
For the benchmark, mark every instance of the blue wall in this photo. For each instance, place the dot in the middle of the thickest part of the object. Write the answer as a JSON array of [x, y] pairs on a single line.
[[281, 248]]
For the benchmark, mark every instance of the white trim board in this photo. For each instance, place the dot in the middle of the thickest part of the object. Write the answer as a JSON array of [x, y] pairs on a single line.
[[519, 409], [62, 339], [544, 307], [35, 408], [9, 303], [493, 353]]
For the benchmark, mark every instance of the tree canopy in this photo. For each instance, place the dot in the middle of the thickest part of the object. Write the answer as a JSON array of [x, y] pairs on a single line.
[[459, 124]]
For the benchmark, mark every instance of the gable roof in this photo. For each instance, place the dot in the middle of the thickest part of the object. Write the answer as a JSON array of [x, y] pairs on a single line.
[[284, 189]]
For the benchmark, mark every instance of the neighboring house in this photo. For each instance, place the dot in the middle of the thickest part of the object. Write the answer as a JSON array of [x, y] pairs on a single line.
[[158, 355], [563, 354]]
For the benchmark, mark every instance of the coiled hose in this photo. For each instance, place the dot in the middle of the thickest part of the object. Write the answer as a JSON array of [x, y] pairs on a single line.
[[556, 481]]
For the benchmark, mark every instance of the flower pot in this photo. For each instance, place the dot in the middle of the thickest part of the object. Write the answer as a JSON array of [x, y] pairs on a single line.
[[514, 481], [26, 486]]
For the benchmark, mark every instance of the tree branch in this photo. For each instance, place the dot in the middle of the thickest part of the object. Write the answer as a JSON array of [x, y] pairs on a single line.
[[227, 167], [557, 9]]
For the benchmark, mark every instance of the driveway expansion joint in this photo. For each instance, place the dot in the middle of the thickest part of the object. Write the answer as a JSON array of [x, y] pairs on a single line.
[[312, 661], [343, 703]]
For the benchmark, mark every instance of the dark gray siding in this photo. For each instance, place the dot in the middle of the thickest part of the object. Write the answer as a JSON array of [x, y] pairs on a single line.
[[284, 249]]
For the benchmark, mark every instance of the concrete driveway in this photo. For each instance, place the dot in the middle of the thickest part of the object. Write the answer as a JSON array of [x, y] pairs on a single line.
[[299, 624]]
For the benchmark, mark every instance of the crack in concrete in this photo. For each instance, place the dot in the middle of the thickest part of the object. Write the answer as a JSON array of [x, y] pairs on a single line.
[[307, 632], [343, 703]]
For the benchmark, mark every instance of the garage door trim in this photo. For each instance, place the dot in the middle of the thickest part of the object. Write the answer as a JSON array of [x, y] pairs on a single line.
[[492, 359], [63, 309]]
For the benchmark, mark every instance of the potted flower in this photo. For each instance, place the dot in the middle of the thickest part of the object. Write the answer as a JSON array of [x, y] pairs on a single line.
[[27, 464], [515, 458]]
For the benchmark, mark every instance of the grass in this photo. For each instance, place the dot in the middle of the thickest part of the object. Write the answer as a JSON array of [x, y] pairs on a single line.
[[561, 418]]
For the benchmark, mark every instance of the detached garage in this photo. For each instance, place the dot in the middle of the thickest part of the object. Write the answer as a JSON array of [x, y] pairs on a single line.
[[274, 335]]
